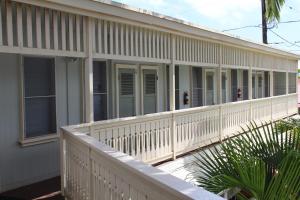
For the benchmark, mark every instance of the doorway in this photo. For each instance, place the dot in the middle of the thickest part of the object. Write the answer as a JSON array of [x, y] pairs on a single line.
[[149, 90], [210, 87], [126, 91]]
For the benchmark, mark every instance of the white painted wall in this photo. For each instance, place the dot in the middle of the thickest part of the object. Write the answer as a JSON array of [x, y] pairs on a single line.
[[24, 165]]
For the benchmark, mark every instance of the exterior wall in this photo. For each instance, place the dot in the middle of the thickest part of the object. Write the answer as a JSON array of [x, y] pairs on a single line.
[[24, 165]]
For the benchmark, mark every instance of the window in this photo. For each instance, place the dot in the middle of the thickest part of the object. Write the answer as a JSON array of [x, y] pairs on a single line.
[[100, 91], [279, 83], [39, 100], [292, 83]]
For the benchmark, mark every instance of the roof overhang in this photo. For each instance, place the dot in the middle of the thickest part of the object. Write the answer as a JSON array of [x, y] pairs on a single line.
[[90, 7]]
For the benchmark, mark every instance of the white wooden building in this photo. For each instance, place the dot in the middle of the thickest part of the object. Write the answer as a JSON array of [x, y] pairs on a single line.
[[158, 86]]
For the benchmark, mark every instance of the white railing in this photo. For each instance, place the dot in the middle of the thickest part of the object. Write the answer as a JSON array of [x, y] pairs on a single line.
[[160, 136], [93, 170], [100, 160]]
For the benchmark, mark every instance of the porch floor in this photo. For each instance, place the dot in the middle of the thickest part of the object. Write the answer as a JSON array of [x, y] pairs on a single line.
[[46, 190]]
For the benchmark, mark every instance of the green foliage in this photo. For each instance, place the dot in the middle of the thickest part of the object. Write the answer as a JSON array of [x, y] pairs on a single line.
[[273, 8], [263, 163]]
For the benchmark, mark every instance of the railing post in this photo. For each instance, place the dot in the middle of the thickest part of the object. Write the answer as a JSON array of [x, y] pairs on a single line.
[[62, 163], [221, 122], [174, 136], [250, 92], [271, 92], [287, 92], [219, 92], [91, 183]]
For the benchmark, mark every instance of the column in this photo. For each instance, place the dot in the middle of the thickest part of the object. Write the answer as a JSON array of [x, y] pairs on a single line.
[[250, 83], [286, 82], [172, 95], [271, 83], [88, 71]]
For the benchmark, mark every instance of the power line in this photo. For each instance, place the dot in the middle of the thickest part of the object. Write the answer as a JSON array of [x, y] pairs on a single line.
[[259, 25], [250, 26], [293, 44]]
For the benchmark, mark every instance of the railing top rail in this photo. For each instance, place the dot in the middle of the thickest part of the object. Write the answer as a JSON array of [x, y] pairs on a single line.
[[144, 173], [166, 114]]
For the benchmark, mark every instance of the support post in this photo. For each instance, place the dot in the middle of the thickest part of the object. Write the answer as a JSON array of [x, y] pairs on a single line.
[[286, 83], [219, 92], [62, 164], [287, 92], [271, 91], [250, 90], [172, 94], [88, 69]]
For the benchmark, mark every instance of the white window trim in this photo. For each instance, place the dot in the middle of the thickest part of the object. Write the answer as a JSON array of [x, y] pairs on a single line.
[[126, 66], [51, 137], [156, 68]]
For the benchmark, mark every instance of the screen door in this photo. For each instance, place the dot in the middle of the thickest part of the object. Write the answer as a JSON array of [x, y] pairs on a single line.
[[127, 94], [149, 91], [210, 87]]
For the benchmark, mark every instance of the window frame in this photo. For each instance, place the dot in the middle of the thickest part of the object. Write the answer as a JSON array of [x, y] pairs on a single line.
[[50, 137]]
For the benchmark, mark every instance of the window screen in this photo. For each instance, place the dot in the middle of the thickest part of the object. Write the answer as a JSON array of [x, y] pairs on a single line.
[[279, 83], [100, 90], [39, 97], [197, 93], [292, 83]]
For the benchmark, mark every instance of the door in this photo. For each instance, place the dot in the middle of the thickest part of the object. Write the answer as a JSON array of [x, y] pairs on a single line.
[[126, 92], [149, 90], [224, 87], [197, 92], [210, 87], [253, 86], [260, 85]]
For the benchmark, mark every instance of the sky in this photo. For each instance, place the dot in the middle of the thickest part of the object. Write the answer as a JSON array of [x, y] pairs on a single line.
[[222, 15]]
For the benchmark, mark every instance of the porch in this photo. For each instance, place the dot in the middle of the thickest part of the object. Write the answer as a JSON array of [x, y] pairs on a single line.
[[117, 165]]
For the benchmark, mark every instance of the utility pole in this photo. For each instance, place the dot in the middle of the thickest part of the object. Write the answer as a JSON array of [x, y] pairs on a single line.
[[264, 22]]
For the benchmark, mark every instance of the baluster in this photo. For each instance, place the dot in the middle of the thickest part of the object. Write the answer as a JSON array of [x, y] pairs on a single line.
[[47, 29], [9, 23], [145, 43], [63, 31], [122, 39], [105, 39], [99, 36], [149, 44], [71, 32], [161, 46], [55, 30], [131, 41], [1, 38], [19, 25], [127, 40], [78, 33], [38, 28], [141, 42], [117, 50]]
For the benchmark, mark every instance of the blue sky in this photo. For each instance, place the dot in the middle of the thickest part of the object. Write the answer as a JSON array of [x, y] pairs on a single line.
[[226, 14]]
